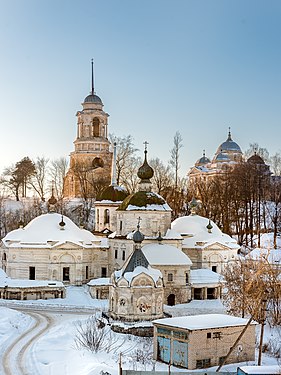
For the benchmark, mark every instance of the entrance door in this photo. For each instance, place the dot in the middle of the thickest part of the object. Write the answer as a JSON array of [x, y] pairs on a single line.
[[171, 300], [65, 274], [180, 353], [198, 293], [164, 349]]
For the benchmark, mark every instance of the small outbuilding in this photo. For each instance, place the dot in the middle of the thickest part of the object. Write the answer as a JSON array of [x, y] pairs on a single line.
[[202, 341]]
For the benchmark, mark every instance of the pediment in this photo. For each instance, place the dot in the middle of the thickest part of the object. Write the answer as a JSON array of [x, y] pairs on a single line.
[[68, 245], [216, 246]]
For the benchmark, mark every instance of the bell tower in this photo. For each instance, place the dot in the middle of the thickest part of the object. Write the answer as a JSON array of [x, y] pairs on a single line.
[[91, 160]]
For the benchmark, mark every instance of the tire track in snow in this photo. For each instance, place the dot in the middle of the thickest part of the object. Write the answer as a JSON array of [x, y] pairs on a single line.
[[14, 362]]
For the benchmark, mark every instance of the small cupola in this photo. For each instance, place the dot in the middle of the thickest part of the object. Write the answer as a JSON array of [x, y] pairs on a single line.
[[62, 223], [209, 227], [145, 172]]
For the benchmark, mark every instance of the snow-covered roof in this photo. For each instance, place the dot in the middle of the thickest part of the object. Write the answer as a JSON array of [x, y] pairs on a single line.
[[45, 232], [194, 230], [99, 281], [129, 276], [206, 321], [24, 283], [3, 274], [273, 369], [163, 254], [205, 276], [267, 241], [273, 256], [172, 234], [144, 201]]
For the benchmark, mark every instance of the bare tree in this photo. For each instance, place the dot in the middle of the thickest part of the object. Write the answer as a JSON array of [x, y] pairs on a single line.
[[162, 179], [58, 171], [256, 148], [39, 179], [275, 163], [125, 155], [248, 282], [175, 165]]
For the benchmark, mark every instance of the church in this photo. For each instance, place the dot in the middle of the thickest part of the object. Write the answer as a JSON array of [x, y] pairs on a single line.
[[137, 257]]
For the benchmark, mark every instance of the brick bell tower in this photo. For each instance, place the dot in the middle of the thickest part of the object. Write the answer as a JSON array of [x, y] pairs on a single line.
[[91, 161]]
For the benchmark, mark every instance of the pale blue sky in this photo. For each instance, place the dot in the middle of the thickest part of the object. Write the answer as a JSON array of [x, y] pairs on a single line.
[[160, 66]]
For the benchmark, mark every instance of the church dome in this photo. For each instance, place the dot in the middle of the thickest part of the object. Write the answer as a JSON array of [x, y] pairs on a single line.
[[193, 224], [45, 231], [229, 145], [222, 157], [145, 172], [92, 98], [203, 160], [194, 229], [144, 200], [255, 159], [113, 193]]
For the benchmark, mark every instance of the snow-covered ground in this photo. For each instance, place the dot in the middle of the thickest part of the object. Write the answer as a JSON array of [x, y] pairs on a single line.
[[56, 353]]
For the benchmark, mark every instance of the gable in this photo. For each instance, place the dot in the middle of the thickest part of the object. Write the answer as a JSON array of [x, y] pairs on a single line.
[[217, 246], [68, 245]]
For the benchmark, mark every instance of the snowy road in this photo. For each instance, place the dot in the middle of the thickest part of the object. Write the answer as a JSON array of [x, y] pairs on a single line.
[[14, 357]]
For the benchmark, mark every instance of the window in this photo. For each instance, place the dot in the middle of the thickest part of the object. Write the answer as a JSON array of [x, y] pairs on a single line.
[[217, 335], [121, 224], [186, 278], [214, 268], [96, 127], [202, 363], [209, 335], [170, 277], [87, 272], [103, 272], [98, 215], [116, 253], [31, 273], [180, 335], [123, 255], [65, 274], [106, 216]]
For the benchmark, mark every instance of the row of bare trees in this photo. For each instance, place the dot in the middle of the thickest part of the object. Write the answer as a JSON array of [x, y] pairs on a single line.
[[36, 175], [243, 200]]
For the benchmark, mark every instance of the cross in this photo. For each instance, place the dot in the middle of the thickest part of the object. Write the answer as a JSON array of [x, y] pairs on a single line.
[[139, 220], [145, 145]]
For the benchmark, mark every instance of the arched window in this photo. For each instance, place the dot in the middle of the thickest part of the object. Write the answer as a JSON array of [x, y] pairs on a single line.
[[4, 256], [106, 216], [96, 127], [97, 163]]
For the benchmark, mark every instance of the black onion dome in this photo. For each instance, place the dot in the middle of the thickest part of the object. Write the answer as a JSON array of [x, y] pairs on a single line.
[[255, 159], [114, 193], [138, 237], [52, 200], [92, 98], [145, 172], [143, 199]]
